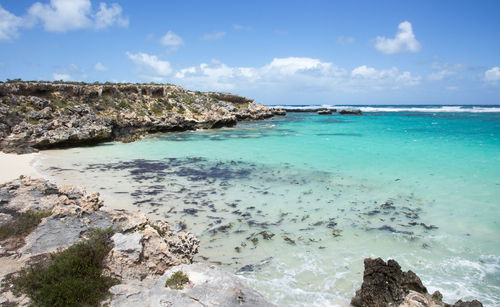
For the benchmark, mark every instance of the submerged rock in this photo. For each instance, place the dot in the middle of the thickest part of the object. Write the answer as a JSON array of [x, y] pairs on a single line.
[[385, 284]]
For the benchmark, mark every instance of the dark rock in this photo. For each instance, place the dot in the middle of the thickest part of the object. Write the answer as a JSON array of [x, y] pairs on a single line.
[[350, 112], [385, 284], [325, 112]]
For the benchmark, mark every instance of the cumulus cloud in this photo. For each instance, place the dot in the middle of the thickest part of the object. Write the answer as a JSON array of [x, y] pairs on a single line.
[[9, 25], [171, 40], [106, 17], [391, 78], [213, 36], [150, 66], [404, 41], [492, 75], [62, 15], [293, 73], [100, 67]]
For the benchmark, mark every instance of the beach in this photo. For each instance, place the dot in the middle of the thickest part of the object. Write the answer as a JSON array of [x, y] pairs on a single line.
[[12, 166]]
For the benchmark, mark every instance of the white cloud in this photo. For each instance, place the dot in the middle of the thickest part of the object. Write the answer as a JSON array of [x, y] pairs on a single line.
[[292, 65], [63, 15], [384, 78], [100, 67], [213, 36], [171, 40], [364, 71], [150, 66], [446, 71], [106, 17], [290, 74], [492, 75], [62, 76], [9, 24], [345, 40], [404, 41]]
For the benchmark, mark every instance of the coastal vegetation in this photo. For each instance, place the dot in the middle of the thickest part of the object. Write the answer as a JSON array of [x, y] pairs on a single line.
[[72, 277], [177, 281], [21, 224]]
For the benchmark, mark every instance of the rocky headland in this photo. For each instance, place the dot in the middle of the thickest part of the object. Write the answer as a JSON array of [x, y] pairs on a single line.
[[41, 115]]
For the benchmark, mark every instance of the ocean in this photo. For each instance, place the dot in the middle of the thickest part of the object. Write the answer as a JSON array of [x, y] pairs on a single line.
[[294, 204]]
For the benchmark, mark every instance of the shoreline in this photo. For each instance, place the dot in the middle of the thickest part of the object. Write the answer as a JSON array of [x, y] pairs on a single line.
[[13, 166]]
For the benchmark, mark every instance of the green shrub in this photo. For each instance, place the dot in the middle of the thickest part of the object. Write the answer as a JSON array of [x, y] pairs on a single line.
[[177, 281], [22, 223], [123, 104], [72, 277]]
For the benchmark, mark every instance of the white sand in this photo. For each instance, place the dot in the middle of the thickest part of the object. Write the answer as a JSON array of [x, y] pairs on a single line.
[[12, 166]]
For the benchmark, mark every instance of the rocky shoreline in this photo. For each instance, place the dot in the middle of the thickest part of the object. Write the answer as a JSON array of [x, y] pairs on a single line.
[[146, 253], [41, 115]]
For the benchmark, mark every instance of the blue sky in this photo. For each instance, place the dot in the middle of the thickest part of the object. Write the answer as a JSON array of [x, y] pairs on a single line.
[[278, 52]]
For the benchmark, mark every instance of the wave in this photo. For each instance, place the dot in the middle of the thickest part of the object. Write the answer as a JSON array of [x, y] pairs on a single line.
[[424, 109]]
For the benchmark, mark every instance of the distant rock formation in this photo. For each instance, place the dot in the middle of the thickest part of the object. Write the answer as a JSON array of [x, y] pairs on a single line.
[[385, 284], [38, 115], [324, 112], [350, 112]]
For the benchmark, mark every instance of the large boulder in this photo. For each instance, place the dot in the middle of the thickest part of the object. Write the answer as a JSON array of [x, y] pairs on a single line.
[[385, 284]]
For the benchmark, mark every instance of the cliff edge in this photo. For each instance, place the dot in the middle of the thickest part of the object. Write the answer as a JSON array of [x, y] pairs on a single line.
[[40, 115]]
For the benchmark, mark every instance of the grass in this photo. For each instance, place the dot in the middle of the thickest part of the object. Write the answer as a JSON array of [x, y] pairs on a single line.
[[33, 121], [177, 281], [72, 277], [123, 104], [22, 223]]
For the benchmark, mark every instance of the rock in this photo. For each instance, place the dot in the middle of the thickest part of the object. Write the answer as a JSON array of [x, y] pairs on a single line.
[[385, 284], [350, 112], [141, 248], [66, 115], [208, 286], [325, 112]]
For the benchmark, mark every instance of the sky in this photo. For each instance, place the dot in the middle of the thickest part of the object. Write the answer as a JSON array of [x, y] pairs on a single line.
[[277, 52]]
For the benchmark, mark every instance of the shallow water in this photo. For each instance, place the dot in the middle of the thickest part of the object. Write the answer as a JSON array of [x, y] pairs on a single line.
[[294, 204]]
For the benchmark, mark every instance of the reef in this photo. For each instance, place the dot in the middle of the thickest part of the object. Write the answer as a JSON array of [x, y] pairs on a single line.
[[41, 115]]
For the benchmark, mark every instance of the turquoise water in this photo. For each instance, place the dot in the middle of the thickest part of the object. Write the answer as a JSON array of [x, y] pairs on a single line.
[[293, 204]]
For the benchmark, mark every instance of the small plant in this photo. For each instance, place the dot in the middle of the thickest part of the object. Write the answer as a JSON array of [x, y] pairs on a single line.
[[177, 281], [33, 121], [123, 104], [72, 277], [22, 223]]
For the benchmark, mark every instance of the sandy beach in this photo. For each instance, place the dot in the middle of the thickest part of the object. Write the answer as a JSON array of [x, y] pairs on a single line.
[[12, 166]]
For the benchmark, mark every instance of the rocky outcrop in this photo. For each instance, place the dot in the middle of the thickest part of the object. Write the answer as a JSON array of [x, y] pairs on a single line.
[[207, 286], [385, 284], [142, 248], [38, 115], [325, 112], [350, 112]]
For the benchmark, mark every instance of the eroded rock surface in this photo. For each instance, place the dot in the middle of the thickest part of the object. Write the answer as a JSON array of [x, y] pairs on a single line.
[[37, 115], [208, 286], [141, 248], [385, 284]]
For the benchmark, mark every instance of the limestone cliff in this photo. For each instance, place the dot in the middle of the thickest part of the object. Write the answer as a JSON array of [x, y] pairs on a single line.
[[38, 115]]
